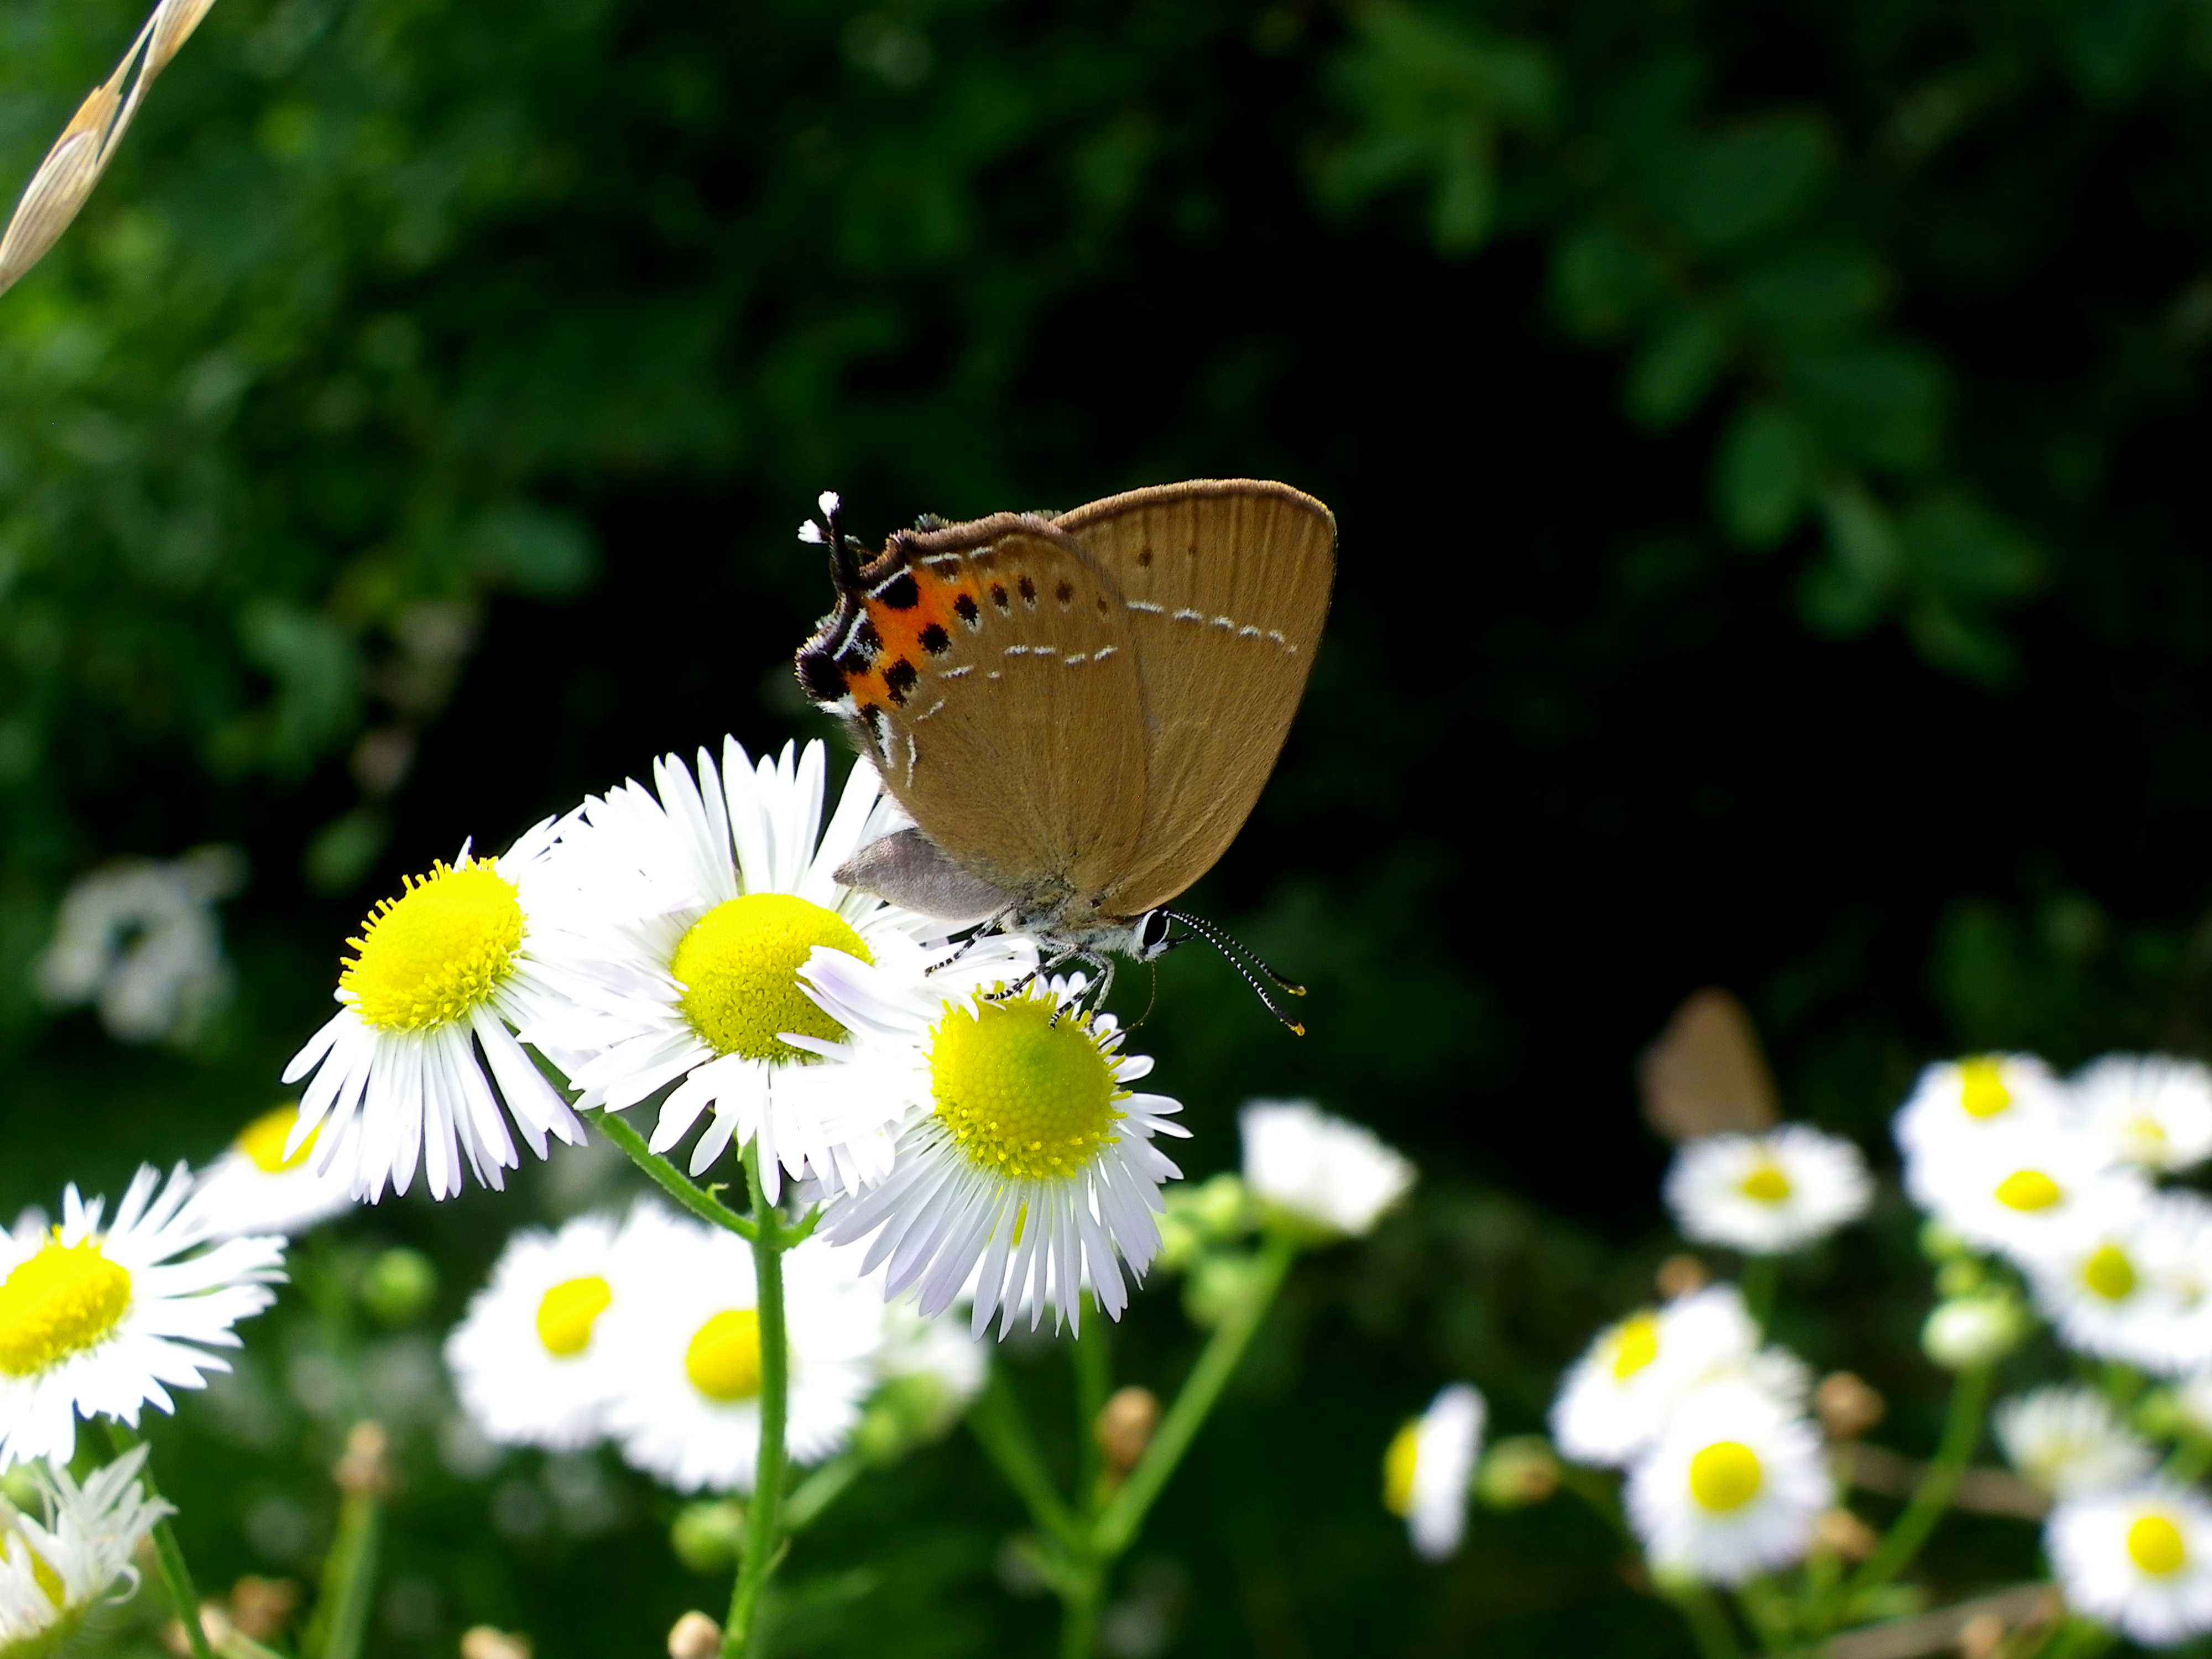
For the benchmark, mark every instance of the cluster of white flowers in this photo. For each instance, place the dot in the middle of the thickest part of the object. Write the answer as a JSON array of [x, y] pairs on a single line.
[[1725, 1473], [139, 940], [644, 1331], [56, 1565]]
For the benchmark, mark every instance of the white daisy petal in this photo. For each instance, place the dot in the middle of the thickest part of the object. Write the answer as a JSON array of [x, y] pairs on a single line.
[[1429, 1466], [1731, 1488], [1323, 1172], [2138, 1558], [1766, 1194]]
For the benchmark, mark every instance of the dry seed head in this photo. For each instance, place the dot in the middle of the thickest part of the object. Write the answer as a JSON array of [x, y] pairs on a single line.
[[1681, 1275], [1847, 1405], [695, 1635], [485, 1642], [1125, 1426], [365, 1468], [1843, 1534]]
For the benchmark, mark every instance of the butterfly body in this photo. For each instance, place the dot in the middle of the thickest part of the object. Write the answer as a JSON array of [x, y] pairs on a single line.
[[1077, 711]]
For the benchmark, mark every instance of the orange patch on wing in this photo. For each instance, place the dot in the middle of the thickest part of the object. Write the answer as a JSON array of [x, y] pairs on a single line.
[[900, 631]]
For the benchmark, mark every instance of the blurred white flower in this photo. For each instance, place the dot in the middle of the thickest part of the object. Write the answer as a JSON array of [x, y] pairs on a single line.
[[1325, 1173], [2128, 1287], [1978, 1328], [2139, 1560], [1766, 1194], [2192, 1397], [139, 938], [1732, 1487], [1961, 1102], [257, 1187], [1430, 1466], [2153, 1110], [2070, 1442], [99, 1319], [75, 1552], [2025, 1191], [1617, 1398]]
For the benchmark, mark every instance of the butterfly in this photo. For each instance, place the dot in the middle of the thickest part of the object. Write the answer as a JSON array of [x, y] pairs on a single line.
[[1078, 711]]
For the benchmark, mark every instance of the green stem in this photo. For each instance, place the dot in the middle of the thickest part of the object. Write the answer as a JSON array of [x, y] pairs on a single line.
[[819, 1490], [1094, 1380], [673, 1182], [2191, 1458], [1757, 1284], [176, 1575], [1707, 1619], [1124, 1513], [741, 1636], [1078, 1624], [1962, 1430], [996, 1420], [341, 1616]]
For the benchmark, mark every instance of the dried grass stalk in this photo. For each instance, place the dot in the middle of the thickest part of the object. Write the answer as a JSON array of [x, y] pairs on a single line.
[[65, 179]]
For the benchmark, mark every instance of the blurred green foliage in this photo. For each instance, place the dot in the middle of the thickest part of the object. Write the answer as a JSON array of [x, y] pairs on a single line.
[[1764, 439]]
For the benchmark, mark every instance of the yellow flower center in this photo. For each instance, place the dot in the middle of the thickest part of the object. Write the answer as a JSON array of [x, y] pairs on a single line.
[[48, 1580], [263, 1141], [2109, 1273], [739, 966], [1766, 1183], [1024, 1098], [566, 1312], [2155, 1544], [1398, 1463], [2028, 1190], [62, 1301], [1982, 1091], [1725, 1476], [1635, 1344], [724, 1359], [438, 951]]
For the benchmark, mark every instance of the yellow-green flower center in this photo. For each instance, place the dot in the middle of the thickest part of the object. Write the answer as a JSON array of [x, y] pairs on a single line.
[[1635, 1344], [2109, 1273], [566, 1312], [2029, 1190], [263, 1141], [739, 966], [2155, 1544], [62, 1301], [48, 1580], [1766, 1183], [724, 1359], [438, 951], [1025, 1098], [1725, 1476], [1398, 1462], [1982, 1090]]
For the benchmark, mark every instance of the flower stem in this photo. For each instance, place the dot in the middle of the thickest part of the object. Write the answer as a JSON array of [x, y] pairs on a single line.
[[673, 1182], [1707, 1619], [341, 1615], [741, 1635], [176, 1575], [1117, 1523], [1094, 1380], [1962, 1431], [995, 1419], [1757, 1283]]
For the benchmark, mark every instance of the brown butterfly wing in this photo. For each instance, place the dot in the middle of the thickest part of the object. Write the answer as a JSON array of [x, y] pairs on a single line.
[[987, 671], [1227, 584], [1706, 1072]]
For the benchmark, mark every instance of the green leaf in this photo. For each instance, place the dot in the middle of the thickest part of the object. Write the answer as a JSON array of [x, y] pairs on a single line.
[[1762, 474], [1966, 643], [338, 855], [1602, 281], [1880, 402], [537, 554], [1847, 591], [1722, 188], [1813, 292], [1959, 547], [1674, 373]]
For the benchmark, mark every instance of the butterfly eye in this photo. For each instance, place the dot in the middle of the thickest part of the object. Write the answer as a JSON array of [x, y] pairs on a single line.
[[1150, 937]]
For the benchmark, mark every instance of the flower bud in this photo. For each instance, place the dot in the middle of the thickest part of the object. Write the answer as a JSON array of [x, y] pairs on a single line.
[[1962, 1275], [1847, 1405], [1125, 1427], [695, 1635], [1517, 1471], [399, 1287], [1939, 1243], [708, 1537], [485, 1642], [1681, 1274], [1980, 1329], [1844, 1536], [364, 1468], [261, 1607]]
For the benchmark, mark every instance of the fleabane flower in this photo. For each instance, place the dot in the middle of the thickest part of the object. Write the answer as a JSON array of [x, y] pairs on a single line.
[[1617, 1398], [98, 1318], [1970, 1102], [1326, 1175], [2139, 1559], [530, 1361], [1025, 1163], [2122, 1287], [2070, 1442], [2153, 1110], [257, 1186], [1732, 1487], [1429, 1466], [2023, 1194], [56, 1565], [686, 1405], [1766, 1194], [404, 1072], [697, 901]]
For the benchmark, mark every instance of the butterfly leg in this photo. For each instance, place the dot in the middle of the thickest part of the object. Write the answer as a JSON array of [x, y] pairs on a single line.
[[989, 925], [1096, 992]]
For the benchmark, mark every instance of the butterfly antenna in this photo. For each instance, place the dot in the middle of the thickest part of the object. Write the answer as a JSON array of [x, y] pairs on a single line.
[[1234, 950], [1221, 942], [827, 529]]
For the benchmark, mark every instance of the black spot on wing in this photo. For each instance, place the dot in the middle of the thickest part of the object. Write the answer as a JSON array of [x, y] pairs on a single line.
[[998, 596], [1065, 593], [900, 592], [967, 609], [935, 640], [1029, 591], [899, 677], [818, 673]]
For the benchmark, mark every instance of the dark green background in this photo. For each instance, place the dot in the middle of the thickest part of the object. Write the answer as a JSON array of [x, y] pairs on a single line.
[[1768, 444]]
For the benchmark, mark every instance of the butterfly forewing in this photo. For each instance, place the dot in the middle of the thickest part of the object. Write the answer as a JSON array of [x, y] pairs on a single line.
[[1705, 1073], [992, 680], [1225, 584]]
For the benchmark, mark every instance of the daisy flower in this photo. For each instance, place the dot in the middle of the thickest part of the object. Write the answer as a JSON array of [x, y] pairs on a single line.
[[2152, 1110], [1967, 1101], [96, 1320], [2129, 1287], [686, 1401], [437, 978], [2139, 1559], [54, 1568], [697, 901], [1766, 1194], [1732, 1487], [257, 1186], [2022, 1193], [1429, 1466], [531, 1361], [2070, 1442], [1025, 1164], [2192, 1397], [1617, 1397], [1326, 1175]]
